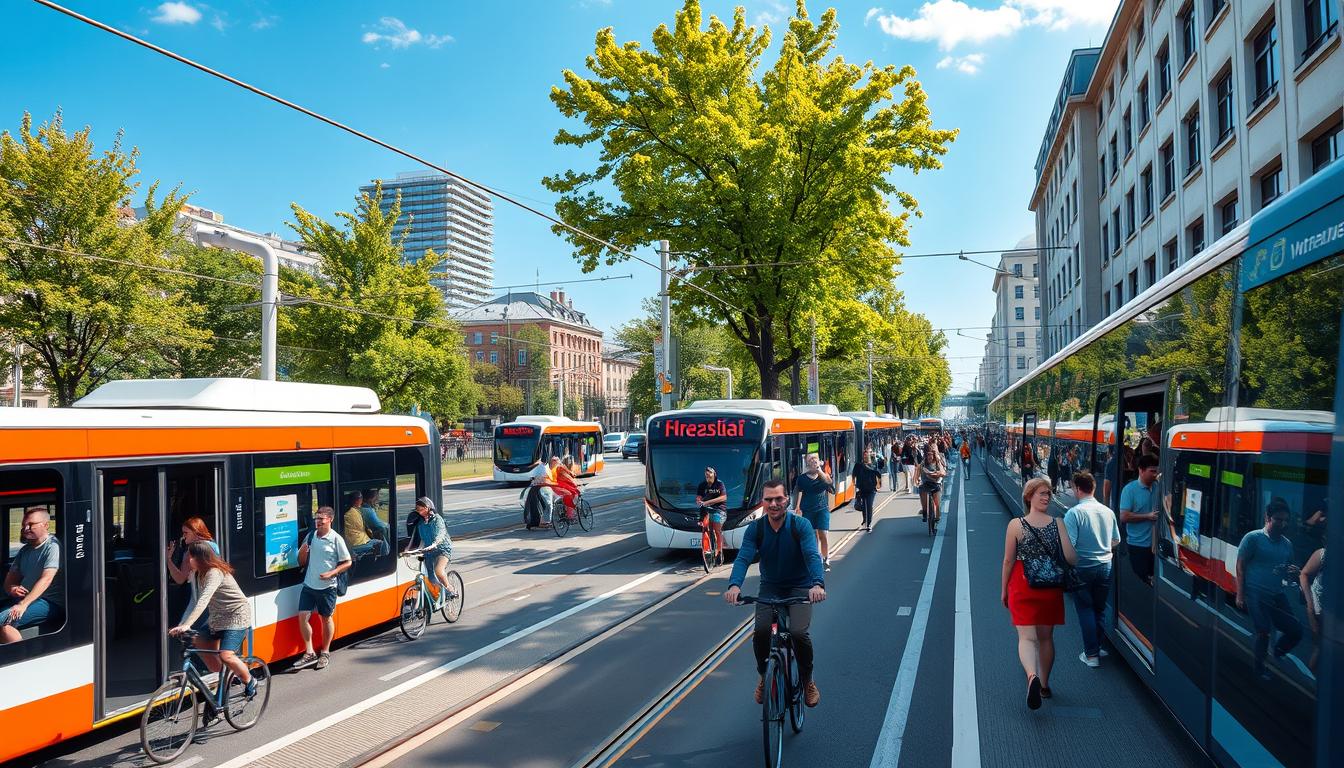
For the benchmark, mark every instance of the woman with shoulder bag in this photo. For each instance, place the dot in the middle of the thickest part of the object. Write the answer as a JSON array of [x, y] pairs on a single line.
[[1034, 557]]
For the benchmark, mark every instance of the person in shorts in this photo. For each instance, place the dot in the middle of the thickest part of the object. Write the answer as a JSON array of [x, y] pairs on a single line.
[[324, 556], [33, 588], [711, 497], [812, 500], [435, 543], [213, 587]]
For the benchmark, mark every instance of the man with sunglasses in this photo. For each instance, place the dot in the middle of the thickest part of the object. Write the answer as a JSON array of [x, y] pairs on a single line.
[[790, 567]]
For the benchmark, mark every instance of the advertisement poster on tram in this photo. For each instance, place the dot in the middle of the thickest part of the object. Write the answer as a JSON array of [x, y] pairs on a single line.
[[1190, 531], [282, 532]]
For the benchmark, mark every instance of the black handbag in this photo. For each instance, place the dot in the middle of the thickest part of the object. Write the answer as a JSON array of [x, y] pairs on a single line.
[[1048, 572]]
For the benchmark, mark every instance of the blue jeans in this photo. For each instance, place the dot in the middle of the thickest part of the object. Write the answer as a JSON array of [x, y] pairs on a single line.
[[1090, 603]]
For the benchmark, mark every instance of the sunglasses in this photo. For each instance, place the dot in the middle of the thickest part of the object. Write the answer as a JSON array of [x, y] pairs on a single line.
[[772, 500]]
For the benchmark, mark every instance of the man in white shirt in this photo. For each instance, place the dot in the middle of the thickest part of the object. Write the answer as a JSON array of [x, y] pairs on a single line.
[[541, 482], [325, 556], [1095, 534]]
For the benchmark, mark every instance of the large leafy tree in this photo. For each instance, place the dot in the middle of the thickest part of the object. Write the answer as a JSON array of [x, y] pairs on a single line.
[[224, 294], [374, 320], [85, 320], [786, 169]]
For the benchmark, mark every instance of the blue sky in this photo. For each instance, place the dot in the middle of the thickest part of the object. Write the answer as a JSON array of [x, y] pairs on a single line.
[[466, 84]]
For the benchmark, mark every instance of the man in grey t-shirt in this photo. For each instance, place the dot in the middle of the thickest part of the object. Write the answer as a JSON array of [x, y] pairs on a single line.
[[1264, 568], [325, 556], [1095, 535], [33, 587]]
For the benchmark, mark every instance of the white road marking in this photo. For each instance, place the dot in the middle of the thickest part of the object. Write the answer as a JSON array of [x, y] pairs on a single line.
[[965, 714], [887, 754], [443, 669], [924, 551], [522, 597], [508, 631], [484, 578], [904, 610], [399, 672]]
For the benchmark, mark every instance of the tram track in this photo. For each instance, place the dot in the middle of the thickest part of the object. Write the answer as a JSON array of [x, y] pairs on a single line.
[[484, 532]]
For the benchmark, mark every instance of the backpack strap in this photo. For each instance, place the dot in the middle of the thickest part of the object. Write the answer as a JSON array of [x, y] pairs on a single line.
[[760, 531]]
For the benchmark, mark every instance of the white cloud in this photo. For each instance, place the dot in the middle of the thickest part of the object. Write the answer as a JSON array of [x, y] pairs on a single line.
[[176, 13], [264, 22], [773, 14], [968, 64], [384, 65], [219, 23], [953, 22], [395, 33], [867, 17]]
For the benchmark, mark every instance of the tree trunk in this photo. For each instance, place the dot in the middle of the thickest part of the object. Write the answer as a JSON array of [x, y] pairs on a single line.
[[794, 376]]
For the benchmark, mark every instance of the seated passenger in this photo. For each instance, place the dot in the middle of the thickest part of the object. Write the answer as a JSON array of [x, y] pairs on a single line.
[[373, 524], [360, 539], [33, 589]]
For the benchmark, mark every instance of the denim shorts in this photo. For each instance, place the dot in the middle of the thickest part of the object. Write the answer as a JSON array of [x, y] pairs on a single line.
[[717, 516], [229, 639], [37, 612]]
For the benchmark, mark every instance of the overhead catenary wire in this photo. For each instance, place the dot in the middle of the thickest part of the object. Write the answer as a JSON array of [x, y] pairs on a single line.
[[129, 263], [510, 199]]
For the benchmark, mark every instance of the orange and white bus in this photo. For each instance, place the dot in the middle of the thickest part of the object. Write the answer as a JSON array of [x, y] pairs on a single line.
[[527, 440], [122, 471], [747, 442]]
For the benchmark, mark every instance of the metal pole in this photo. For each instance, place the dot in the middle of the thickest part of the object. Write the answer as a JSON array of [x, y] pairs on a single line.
[[560, 401], [18, 374], [870, 375], [723, 370], [664, 254], [206, 234]]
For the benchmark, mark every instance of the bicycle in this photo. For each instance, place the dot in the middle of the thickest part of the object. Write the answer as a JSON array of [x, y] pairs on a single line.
[[782, 692], [711, 544], [168, 724], [417, 604]]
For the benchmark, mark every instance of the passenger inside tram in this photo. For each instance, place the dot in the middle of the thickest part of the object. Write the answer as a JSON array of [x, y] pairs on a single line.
[[32, 585]]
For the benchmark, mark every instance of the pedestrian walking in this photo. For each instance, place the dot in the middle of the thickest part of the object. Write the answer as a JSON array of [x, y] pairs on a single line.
[[894, 466], [325, 557], [1137, 513], [1264, 565], [811, 499], [909, 459], [1036, 611], [867, 482], [1095, 535], [966, 456]]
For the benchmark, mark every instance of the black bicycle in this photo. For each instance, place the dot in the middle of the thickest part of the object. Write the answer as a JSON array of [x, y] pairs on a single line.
[[169, 722], [782, 691]]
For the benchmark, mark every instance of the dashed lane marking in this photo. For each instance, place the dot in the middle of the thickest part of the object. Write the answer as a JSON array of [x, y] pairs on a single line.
[[399, 672], [522, 597], [484, 726], [904, 610], [925, 551]]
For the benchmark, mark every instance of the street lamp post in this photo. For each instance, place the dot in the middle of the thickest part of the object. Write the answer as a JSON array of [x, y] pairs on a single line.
[[721, 369]]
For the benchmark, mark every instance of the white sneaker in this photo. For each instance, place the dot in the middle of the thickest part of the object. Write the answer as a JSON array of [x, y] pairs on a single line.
[[1104, 654], [826, 563], [1091, 661]]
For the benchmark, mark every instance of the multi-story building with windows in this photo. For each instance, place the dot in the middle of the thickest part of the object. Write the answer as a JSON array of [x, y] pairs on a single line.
[[1188, 119], [1012, 347], [573, 344], [442, 214], [617, 367]]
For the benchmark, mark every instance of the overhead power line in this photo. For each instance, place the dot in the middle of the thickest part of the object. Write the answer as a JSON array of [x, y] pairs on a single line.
[[129, 263]]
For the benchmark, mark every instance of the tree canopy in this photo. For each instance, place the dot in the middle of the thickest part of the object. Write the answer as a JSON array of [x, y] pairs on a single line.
[[786, 170]]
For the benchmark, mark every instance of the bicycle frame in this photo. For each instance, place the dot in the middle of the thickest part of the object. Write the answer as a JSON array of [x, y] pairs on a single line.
[[191, 676]]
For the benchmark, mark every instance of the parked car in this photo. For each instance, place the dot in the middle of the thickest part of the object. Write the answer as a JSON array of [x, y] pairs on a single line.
[[633, 447], [612, 441]]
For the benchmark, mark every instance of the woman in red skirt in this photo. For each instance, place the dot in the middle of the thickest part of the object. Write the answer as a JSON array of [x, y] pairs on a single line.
[[1036, 612]]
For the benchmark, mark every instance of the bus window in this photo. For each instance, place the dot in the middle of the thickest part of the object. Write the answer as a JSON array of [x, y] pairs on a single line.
[[288, 492], [365, 487], [410, 485], [30, 500]]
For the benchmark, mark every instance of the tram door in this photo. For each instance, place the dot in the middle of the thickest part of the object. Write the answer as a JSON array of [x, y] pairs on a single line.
[[1136, 487], [143, 509]]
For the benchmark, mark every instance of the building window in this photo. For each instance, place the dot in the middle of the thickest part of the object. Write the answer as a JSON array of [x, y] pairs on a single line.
[[1017, 270], [1034, 267], [1168, 169], [494, 358], [1214, 7], [1129, 132], [494, 337], [1017, 291], [477, 337], [1102, 164], [1147, 181], [1138, 34], [1037, 311], [1271, 186], [1021, 362], [1163, 71], [1131, 226], [480, 356], [1325, 148], [1124, 67], [1149, 271], [1119, 295], [1115, 228], [1144, 111], [1228, 214], [1171, 252], [1021, 338], [1036, 291], [1018, 313], [1189, 35], [1105, 240], [1133, 283], [1266, 68], [1195, 236], [522, 357], [1115, 156], [1192, 157], [1320, 23], [1226, 111], [1106, 303]]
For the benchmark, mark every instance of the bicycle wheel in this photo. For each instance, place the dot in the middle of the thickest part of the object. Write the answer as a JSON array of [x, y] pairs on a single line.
[[560, 522], [414, 616], [707, 549], [932, 520], [797, 713], [718, 550], [169, 722], [585, 515], [452, 606], [772, 712], [240, 711]]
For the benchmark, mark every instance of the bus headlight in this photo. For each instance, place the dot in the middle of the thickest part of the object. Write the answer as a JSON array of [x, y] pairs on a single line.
[[653, 515]]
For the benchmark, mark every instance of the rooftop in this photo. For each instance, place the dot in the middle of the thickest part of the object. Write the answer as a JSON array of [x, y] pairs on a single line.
[[525, 306]]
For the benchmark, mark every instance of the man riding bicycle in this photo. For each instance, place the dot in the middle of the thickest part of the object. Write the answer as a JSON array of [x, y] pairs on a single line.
[[790, 567]]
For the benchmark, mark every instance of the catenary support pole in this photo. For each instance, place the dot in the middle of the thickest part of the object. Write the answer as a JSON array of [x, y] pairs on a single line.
[[664, 254]]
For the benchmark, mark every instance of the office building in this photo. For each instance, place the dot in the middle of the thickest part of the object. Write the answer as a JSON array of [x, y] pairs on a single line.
[[618, 366], [1012, 347], [442, 214], [1189, 118]]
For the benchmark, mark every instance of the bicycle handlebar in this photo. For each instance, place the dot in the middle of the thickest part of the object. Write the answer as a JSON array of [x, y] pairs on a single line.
[[746, 599]]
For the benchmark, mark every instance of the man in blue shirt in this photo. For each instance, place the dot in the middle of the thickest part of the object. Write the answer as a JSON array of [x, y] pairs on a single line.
[[1264, 567], [790, 567], [1137, 513], [1094, 534]]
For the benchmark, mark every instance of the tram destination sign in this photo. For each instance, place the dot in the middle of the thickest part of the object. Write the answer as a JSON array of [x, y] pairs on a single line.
[[520, 431], [691, 428]]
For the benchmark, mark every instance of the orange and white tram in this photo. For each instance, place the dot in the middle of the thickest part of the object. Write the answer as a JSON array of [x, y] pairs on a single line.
[[121, 471]]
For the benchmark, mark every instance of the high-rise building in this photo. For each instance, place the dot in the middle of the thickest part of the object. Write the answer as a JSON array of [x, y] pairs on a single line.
[[1190, 118], [441, 213], [1012, 348]]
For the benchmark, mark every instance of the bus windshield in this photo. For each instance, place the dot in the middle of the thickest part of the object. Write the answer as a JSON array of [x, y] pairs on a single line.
[[515, 451], [678, 471]]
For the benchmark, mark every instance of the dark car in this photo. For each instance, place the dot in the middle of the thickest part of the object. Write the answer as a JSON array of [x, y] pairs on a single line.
[[633, 446]]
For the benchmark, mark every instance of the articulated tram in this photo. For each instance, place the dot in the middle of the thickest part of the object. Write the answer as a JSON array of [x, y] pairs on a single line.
[[120, 473], [873, 431], [1228, 372], [747, 442], [524, 442]]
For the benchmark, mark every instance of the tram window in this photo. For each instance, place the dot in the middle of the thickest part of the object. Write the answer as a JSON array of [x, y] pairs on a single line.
[[30, 501], [287, 494], [365, 483]]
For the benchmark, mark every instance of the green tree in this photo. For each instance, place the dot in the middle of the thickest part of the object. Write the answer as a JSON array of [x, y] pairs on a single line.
[[85, 321], [497, 395], [699, 344], [786, 169], [232, 344], [375, 321]]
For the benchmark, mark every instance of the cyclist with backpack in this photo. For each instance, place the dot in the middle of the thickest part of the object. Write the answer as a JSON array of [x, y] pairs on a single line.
[[790, 567]]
